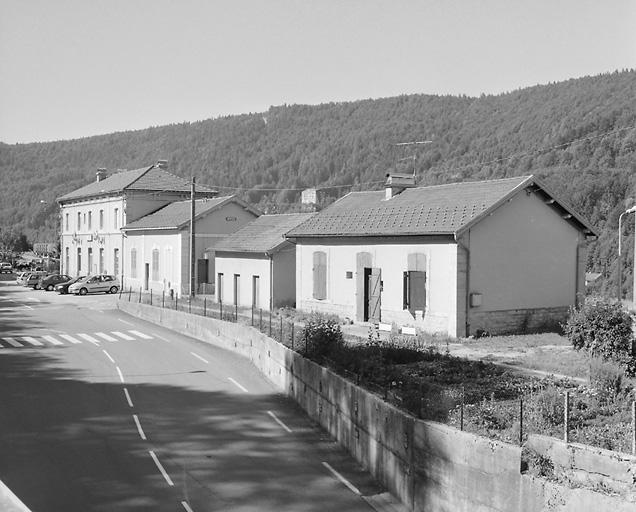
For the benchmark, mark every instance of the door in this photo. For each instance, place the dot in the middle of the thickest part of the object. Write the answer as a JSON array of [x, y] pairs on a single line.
[[373, 294], [146, 275], [255, 290]]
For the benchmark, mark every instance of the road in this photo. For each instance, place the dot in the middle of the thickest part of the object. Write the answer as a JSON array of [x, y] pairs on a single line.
[[100, 411]]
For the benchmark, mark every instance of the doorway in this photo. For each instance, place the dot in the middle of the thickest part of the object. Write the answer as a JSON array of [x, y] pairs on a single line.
[[372, 294], [146, 275]]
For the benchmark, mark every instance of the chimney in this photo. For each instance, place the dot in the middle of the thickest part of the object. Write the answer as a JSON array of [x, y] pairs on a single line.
[[396, 183], [162, 164], [101, 174]]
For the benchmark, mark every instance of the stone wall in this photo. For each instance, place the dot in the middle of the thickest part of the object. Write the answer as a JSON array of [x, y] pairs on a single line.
[[517, 321]]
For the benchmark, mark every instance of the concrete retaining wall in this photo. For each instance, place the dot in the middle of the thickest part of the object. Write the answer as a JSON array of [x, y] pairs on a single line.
[[427, 465], [515, 321]]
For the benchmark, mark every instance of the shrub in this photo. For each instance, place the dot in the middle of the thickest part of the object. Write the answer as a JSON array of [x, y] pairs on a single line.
[[604, 329], [606, 379], [322, 337]]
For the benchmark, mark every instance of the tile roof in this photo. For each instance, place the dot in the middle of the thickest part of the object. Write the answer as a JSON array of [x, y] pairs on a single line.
[[177, 215], [150, 178], [438, 209], [263, 234]]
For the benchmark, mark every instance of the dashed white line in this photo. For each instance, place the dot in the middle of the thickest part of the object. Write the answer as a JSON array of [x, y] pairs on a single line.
[[128, 398], [108, 356], [139, 429], [160, 467], [88, 337], [105, 336], [186, 506], [141, 335], [67, 337], [237, 385], [199, 357], [52, 340], [277, 420], [122, 335], [162, 338], [346, 482], [125, 322], [121, 377], [12, 342], [32, 341]]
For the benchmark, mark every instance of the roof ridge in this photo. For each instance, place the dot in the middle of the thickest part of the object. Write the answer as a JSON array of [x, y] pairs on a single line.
[[439, 185]]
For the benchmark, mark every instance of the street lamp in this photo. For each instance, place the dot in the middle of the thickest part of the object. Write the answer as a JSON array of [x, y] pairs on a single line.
[[619, 290]]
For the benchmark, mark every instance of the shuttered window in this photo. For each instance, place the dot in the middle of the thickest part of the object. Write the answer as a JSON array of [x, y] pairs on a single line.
[[414, 283], [133, 263], [320, 275], [155, 265]]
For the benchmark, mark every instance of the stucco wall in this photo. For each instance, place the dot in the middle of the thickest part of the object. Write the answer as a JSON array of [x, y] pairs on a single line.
[[246, 266], [390, 255]]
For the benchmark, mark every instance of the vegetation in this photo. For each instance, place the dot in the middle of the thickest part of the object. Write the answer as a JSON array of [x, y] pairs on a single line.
[[579, 136]]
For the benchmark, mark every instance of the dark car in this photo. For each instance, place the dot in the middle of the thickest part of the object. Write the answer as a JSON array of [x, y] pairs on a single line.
[[48, 282], [62, 288]]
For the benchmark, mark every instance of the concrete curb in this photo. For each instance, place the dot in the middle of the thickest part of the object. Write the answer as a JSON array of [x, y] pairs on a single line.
[[9, 502]]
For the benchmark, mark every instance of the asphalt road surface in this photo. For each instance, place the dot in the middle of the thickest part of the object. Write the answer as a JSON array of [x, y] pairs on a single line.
[[100, 411]]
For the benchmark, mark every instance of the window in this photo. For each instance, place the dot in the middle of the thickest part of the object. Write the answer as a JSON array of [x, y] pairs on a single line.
[[414, 284], [133, 263], [90, 260], [116, 261], [79, 260], [101, 219], [219, 287], [67, 262], [155, 264], [320, 275], [237, 285], [90, 220], [101, 261], [66, 223], [79, 221], [255, 290], [116, 218]]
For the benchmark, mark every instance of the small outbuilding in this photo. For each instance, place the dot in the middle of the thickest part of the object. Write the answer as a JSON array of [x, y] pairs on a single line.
[[256, 266], [497, 256]]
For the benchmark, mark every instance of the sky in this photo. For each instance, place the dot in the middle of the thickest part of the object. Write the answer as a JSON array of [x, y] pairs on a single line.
[[76, 68]]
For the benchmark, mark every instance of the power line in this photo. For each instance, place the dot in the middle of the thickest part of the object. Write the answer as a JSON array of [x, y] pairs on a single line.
[[296, 189]]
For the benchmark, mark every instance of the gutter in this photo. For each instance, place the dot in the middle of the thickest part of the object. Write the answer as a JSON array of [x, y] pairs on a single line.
[[467, 294]]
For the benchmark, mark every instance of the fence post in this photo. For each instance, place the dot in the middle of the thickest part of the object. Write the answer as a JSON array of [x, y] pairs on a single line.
[[236, 311], [151, 296], [220, 310], [566, 416], [163, 299], [634, 427], [176, 302], [120, 289], [281, 329], [129, 292], [520, 421], [205, 305], [252, 322], [270, 323], [260, 319], [292, 335], [140, 295], [190, 304]]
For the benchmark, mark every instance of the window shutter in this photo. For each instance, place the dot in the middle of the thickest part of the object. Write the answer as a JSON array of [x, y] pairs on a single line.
[[320, 275], [416, 261]]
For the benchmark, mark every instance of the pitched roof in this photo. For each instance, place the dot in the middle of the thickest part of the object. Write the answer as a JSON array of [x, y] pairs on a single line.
[[439, 209], [151, 178], [177, 215], [264, 234]]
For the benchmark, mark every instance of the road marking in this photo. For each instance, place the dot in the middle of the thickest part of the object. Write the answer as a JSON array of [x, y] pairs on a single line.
[[237, 384], [162, 338], [128, 398], [33, 341], [346, 482], [199, 357], [88, 337], [121, 377], [69, 338], [158, 464], [124, 321], [279, 422], [32, 299], [122, 335], [186, 506], [13, 343], [139, 429], [108, 356], [141, 335], [52, 340], [105, 336]]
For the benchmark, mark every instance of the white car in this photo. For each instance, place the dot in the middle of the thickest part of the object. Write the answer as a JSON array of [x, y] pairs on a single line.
[[95, 284]]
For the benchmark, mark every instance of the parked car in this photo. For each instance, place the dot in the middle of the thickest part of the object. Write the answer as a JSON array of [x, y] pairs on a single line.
[[62, 288], [20, 277], [48, 282], [6, 268], [95, 284], [32, 278]]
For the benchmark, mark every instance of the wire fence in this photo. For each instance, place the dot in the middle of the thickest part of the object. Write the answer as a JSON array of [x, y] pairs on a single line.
[[508, 414]]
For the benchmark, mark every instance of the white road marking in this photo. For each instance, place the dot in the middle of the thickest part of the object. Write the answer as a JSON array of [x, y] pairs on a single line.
[[162, 338], [124, 321], [32, 341], [160, 467], [186, 506], [199, 357], [139, 429], [67, 337], [122, 335], [108, 356], [13, 343], [279, 422], [128, 398], [52, 340], [32, 299], [88, 337], [346, 482], [141, 335], [121, 377], [105, 336], [237, 385]]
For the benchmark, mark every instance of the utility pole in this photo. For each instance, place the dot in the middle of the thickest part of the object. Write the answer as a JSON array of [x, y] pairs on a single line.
[[193, 255]]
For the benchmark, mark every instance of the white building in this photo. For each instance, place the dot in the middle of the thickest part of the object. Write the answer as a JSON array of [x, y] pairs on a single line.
[[157, 246], [91, 240]]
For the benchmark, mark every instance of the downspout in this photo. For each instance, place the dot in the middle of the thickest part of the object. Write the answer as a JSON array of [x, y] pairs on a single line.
[[271, 280], [467, 294]]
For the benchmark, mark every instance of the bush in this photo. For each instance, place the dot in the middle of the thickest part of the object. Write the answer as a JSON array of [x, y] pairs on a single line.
[[322, 338], [603, 328]]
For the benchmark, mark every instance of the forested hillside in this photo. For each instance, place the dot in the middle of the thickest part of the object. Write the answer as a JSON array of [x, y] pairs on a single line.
[[579, 136]]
